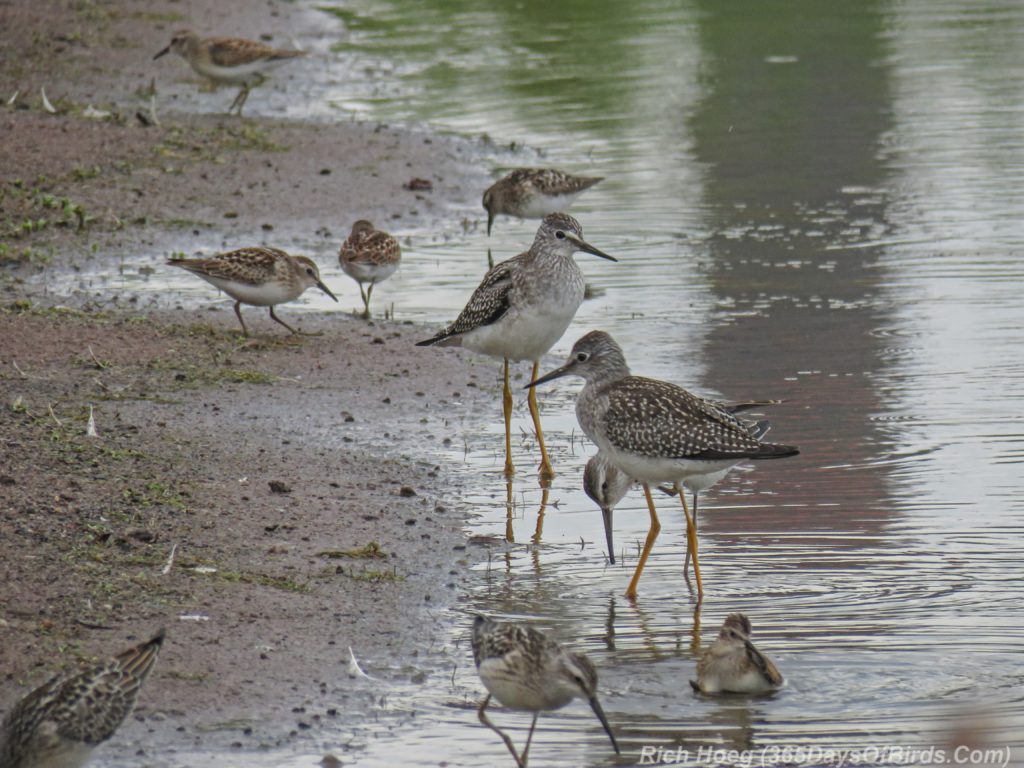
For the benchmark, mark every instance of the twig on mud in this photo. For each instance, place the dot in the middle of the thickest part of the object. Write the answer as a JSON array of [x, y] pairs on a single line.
[[25, 375], [91, 625], [99, 363], [54, 415], [170, 560], [90, 426]]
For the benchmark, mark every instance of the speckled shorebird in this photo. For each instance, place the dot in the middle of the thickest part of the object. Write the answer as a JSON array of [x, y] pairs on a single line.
[[62, 721], [525, 669], [228, 60], [533, 193], [521, 308], [607, 486], [369, 255], [259, 276], [655, 431], [732, 664]]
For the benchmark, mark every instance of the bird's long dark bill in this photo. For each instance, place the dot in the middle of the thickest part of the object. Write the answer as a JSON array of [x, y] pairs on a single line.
[[162, 53], [555, 374], [326, 290], [604, 721], [583, 245], [606, 513], [490, 222]]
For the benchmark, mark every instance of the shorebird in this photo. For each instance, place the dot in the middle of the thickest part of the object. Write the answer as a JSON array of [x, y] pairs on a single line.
[[59, 723], [533, 193], [521, 308], [228, 60], [655, 431], [732, 664], [259, 276], [607, 486], [369, 256], [525, 669]]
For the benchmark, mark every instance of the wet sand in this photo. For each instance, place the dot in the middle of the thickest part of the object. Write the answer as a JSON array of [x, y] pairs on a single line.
[[290, 477]]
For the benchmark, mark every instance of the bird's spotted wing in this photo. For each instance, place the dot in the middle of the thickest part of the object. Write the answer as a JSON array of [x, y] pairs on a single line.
[[232, 52], [549, 181], [656, 418], [489, 302]]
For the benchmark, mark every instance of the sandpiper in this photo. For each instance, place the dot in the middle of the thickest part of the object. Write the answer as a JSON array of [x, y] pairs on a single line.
[[655, 431], [521, 308], [259, 276], [369, 255], [525, 669], [228, 60], [606, 485], [732, 664], [59, 723], [533, 193]]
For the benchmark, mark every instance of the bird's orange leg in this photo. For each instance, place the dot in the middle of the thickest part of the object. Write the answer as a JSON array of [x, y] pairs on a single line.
[[652, 534], [691, 541], [546, 472], [507, 403]]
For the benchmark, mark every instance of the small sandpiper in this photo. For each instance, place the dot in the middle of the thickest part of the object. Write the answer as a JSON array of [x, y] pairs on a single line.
[[606, 485], [732, 664], [533, 193], [228, 60], [655, 431], [525, 669], [258, 276], [59, 723], [523, 307], [371, 256]]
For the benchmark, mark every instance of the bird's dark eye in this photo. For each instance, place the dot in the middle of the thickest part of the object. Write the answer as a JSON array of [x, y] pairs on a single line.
[[560, 235], [582, 357]]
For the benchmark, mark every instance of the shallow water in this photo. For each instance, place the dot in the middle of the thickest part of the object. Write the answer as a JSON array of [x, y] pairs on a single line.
[[811, 201]]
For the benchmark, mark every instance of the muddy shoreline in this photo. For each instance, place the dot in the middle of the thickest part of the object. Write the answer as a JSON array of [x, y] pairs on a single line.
[[293, 479]]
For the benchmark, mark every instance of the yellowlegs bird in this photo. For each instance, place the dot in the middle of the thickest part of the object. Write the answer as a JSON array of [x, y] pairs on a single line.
[[525, 669], [521, 308], [369, 256], [732, 664], [655, 431], [533, 193], [259, 276], [59, 723], [228, 60], [607, 486]]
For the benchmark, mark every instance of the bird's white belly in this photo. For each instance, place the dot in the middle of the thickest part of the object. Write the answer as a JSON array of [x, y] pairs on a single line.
[[264, 295], [524, 335], [749, 681], [649, 469], [514, 695], [703, 481], [365, 273], [243, 73], [538, 206]]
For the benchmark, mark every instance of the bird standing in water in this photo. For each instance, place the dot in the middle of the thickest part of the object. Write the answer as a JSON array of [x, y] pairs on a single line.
[[655, 431], [525, 669], [732, 664], [521, 308]]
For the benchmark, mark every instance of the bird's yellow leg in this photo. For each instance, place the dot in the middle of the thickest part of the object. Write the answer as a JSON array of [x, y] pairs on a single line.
[[691, 541], [546, 472], [686, 563], [506, 400], [652, 534]]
